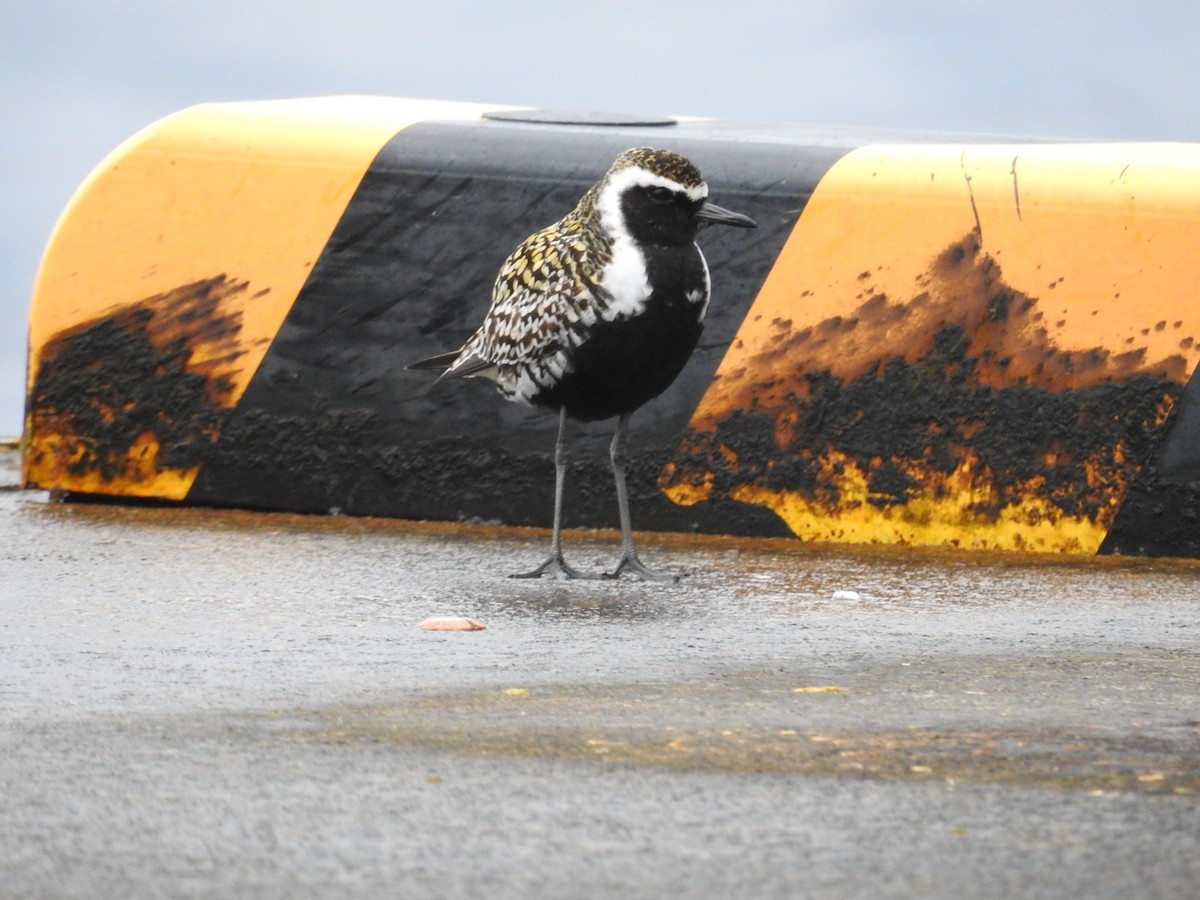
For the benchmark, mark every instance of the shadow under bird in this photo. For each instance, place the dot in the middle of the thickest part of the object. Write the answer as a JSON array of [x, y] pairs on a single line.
[[598, 314]]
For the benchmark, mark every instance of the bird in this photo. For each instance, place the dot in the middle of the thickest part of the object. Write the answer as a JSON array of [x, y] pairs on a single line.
[[596, 315]]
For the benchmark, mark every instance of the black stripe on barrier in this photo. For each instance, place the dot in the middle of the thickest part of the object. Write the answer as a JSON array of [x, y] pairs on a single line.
[[332, 420]]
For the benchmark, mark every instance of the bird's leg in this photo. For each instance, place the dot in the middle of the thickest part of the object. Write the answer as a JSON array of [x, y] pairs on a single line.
[[555, 564], [629, 558]]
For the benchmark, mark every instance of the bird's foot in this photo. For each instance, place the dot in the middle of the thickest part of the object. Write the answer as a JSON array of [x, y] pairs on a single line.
[[557, 567], [629, 562]]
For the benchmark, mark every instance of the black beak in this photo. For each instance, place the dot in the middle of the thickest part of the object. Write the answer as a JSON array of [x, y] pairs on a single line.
[[710, 213]]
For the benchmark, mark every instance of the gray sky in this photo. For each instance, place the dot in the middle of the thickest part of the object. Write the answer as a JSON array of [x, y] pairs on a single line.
[[79, 77]]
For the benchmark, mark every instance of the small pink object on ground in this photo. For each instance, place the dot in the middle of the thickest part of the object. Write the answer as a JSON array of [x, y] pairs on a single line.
[[451, 623]]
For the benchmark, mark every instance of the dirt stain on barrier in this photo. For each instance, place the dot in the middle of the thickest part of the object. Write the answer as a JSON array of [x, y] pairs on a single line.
[[130, 402], [918, 421]]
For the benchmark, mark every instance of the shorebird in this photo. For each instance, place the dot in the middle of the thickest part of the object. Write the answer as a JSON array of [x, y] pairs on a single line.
[[598, 313]]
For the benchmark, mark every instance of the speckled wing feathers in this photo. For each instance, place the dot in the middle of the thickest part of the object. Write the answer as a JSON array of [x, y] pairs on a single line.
[[546, 289]]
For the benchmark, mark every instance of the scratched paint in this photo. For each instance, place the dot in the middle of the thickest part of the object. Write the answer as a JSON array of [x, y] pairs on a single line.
[[958, 348]]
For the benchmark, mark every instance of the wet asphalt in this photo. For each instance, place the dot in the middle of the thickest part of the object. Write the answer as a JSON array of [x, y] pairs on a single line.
[[216, 703]]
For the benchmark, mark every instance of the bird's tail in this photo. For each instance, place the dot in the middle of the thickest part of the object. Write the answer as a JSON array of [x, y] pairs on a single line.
[[456, 365], [442, 361]]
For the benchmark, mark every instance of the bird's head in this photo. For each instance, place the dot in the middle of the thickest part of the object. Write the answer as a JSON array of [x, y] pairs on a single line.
[[658, 197]]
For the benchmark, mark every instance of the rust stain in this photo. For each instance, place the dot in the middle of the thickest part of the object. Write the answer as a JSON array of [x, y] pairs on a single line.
[[951, 416], [129, 402]]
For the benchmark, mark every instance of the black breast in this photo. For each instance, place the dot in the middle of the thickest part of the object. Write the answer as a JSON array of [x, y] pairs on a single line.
[[625, 363]]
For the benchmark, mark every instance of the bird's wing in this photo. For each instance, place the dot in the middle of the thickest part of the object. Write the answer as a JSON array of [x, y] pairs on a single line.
[[544, 300]]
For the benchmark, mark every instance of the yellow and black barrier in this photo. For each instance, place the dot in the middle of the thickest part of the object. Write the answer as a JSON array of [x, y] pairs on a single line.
[[928, 340]]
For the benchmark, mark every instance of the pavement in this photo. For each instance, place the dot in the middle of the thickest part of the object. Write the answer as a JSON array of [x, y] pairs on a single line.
[[219, 703]]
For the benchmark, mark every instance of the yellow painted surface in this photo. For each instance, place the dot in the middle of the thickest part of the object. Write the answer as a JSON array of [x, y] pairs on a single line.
[[247, 191], [142, 475], [1095, 242]]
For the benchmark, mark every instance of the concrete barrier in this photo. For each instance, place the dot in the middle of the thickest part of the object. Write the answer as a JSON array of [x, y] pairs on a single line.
[[930, 339]]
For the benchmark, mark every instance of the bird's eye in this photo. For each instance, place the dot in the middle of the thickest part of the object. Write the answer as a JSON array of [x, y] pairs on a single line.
[[661, 195]]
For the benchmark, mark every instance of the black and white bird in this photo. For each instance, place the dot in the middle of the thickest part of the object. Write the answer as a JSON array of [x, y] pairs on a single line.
[[598, 313]]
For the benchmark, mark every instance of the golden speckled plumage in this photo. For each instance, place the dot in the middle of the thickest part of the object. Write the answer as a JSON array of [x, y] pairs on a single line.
[[545, 290]]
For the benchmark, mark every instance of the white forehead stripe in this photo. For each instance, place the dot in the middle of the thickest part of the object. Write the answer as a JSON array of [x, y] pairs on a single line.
[[636, 176]]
